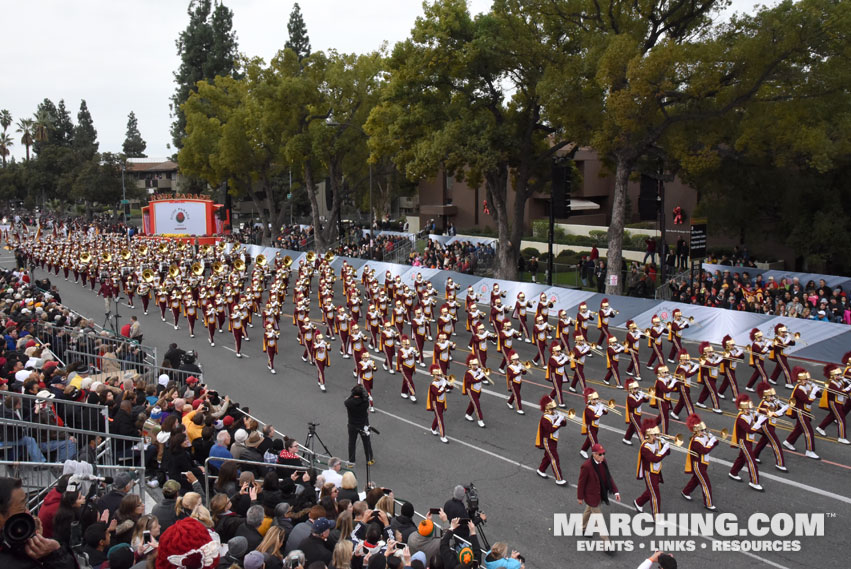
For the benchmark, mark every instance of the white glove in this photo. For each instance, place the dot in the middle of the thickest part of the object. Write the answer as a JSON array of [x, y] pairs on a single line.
[[665, 448]]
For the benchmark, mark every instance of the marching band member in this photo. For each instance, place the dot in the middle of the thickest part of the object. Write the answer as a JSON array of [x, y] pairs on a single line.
[[445, 325], [547, 439], [594, 410], [436, 401], [176, 302], [758, 350], [652, 452], [613, 352], [366, 375], [388, 346], [563, 331], [675, 334], [191, 313], [633, 342], [443, 352], [452, 306], [144, 292], [772, 408], [407, 362], [709, 364], [322, 358], [399, 316], [505, 343], [308, 334], [496, 294], [744, 435], [472, 387], [498, 317], [702, 442], [654, 341], [329, 317], [270, 345], [480, 344], [835, 400], [162, 301], [420, 328], [684, 373], [803, 395], [542, 330], [358, 342], [451, 287], [556, 372], [633, 413], [733, 354], [520, 307], [343, 324], [220, 311], [781, 342], [543, 309], [373, 318], [604, 316], [581, 350], [210, 323], [514, 376], [470, 307], [663, 387], [237, 325], [582, 318]]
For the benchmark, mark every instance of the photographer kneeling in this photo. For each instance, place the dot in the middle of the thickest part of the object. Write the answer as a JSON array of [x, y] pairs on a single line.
[[21, 543]]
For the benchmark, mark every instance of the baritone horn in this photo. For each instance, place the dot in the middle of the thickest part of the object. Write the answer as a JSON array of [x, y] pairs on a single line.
[[218, 267], [261, 260], [85, 257], [329, 256], [106, 257], [173, 271], [311, 257], [148, 275], [125, 254], [163, 248], [239, 265], [143, 250], [288, 261], [197, 269]]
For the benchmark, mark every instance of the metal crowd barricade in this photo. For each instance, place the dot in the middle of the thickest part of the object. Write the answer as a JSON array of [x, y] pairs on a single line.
[[88, 340], [109, 363], [266, 465], [319, 459], [71, 413], [458, 538]]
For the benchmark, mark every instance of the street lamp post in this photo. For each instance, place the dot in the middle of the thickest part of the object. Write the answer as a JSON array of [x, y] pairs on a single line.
[[124, 199], [371, 236]]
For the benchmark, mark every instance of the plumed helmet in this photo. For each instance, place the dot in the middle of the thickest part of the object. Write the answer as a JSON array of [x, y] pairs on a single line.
[[547, 403], [743, 401], [764, 389], [590, 394], [694, 424]]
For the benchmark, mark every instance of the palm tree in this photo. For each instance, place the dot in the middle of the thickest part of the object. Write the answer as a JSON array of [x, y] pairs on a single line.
[[5, 119], [25, 127], [43, 122], [6, 141]]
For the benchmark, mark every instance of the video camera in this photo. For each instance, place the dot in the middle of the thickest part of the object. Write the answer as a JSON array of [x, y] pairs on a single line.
[[472, 499]]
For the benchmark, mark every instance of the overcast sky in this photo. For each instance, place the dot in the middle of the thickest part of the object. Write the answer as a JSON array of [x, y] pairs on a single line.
[[120, 55]]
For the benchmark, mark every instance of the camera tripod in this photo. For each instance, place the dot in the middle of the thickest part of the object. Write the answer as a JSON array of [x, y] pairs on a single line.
[[310, 443]]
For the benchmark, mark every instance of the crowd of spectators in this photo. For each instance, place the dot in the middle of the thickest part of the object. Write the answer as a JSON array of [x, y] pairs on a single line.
[[783, 297], [270, 511], [461, 256]]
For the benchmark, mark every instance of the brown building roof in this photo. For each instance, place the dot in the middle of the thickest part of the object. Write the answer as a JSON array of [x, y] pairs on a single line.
[[167, 166]]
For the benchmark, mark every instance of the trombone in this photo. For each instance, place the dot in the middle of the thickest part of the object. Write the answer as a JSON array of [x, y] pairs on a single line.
[[487, 378], [794, 406], [613, 408], [528, 364], [825, 384], [570, 414], [677, 440]]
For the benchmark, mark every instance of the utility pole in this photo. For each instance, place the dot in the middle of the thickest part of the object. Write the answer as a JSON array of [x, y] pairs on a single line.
[[124, 202]]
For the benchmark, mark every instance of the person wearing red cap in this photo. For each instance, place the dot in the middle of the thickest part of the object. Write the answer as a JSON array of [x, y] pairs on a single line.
[[654, 341], [187, 545], [514, 377], [436, 401], [594, 486], [733, 354], [710, 363], [472, 387], [803, 395], [581, 350], [745, 427], [547, 439], [604, 316], [835, 399], [758, 349], [594, 411], [652, 452], [675, 333], [556, 372], [702, 442], [407, 362], [771, 407]]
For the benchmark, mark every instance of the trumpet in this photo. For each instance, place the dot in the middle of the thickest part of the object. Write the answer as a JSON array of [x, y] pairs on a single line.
[[825, 384], [777, 417], [487, 378], [612, 408], [596, 349]]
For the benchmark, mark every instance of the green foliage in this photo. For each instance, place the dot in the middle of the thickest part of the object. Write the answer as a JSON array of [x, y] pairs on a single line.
[[134, 146], [298, 40], [85, 136], [207, 48]]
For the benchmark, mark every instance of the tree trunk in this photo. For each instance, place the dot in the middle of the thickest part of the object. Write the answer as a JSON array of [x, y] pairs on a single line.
[[330, 229], [616, 226], [320, 244], [497, 192]]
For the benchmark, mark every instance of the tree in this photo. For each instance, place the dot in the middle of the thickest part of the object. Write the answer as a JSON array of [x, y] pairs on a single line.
[[5, 119], [63, 128], [6, 142], [445, 108], [207, 48], [98, 181], [43, 124], [298, 40], [134, 146], [85, 135], [25, 127]]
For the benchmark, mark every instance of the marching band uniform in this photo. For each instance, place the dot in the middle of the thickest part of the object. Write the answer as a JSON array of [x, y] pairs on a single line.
[[388, 346], [744, 435], [556, 373], [772, 408], [443, 353], [701, 444], [321, 355], [505, 343], [374, 322], [665, 385], [633, 342], [358, 342], [604, 316], [343, 325], [547, 439], [580, 351], [472, 387], [480, 345], [732, 356], [399, 317], [613, 352], [633, 412], [563, 332], [835, 399], [709, 365], [652, 452], [308, 334], [804, 394], [162, 301], [542, 329], [436, 402], [582, 318], [270, 345], [366, 374], [470, 307], [175, 307], [421, 328], [543, 309], [782, 341], [758, 349], [514, 377], [519, 313], [210, 322], [686, 370], [407, 362], [675, 334], [594, 410], [191, 314], [654, 341], [237, 325]]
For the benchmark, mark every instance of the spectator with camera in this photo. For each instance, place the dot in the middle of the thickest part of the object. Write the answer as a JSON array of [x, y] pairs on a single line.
[[317, 547], [468, 554], [357, 408], [21, 544]]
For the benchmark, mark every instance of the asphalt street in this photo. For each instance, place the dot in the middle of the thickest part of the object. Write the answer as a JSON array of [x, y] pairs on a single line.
[[501, 458]]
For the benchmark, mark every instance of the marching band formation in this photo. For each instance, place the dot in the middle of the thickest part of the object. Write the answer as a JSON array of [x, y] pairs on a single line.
[[401, 322]]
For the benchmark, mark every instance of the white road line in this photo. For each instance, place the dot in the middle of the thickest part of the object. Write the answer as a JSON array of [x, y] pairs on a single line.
[[773, 477], [527, 467], [234, 351]]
